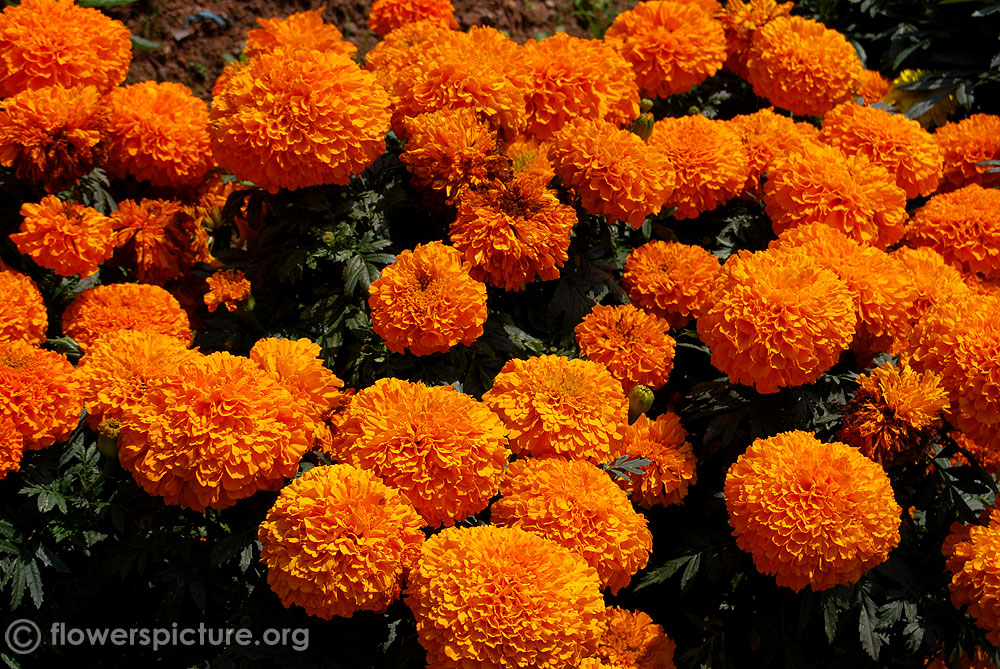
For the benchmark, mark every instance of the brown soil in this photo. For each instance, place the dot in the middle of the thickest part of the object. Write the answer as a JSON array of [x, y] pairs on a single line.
[[193, 45]]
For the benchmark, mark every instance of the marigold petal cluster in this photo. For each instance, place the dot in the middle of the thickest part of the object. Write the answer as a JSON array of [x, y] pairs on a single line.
[[227, 288], [671, 280], [672, 467], [65, 237], [963, 226], [161, 238], [23, 316], [973, 558], [932, 280], [988, 458], [301, 30], [965, 145], [635, 346], [633, 641], [531, 158], [388, 15], [503, 597], [124, 306], [873, 87], [397, 50], [741, 20], [766, 136], [811, 514], [11, 447], [39, 393]]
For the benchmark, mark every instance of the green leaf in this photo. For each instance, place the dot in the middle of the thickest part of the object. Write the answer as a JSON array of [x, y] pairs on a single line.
[[871, 640], [142, 44]]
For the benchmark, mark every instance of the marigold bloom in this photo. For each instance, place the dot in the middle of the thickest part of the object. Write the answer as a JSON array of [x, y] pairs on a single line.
[[301, 30], [427, 302], [161, 238], [777, 319], [39, 393], [873, 87], [766, 136], [557, 406], [576, 504], [672, 461], [531, 158], [56, 42], [503, 597], [65, 237], [442, 449], [214, 433], [226, 288], [338, 541], [294, 118], [51, 135], [631, 640], [512, 232], [811, 514], [708, 159], [124, 306], [965, 145], [388, 15], [963, 226], [894, 413], [613, 171], [932, 280], [23, 316], [394, 53], [973, 558], [671, 280], [740, 20], [823, 185], [634, 345], [11, 447], [672, 46], [802, 66]]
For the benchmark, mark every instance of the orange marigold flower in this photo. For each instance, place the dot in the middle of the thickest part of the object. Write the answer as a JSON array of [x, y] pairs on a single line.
[[811, 514], [512, 232], [613, 171], [963, 226], [11, 447], [227, 287], [777, 319], [301, 30], [338, 541], [634, 345], [766, 136], [708, 159], [503, 597], [873, 87], [393, 54], [632, 641], [802, 66], [39, 392], [214, 433], [823, 185], [965, 145], [23, 316], [894, 414], [442, 449], [672, 461], [158, 132], [897, 143], [531, 158], [557, 406], [672, 46], [973, 558], [65, 237], [162, 239], [427, 302], [120, 368], [294, 118], [52, 135], [741, 20], [575, 504], [573, 77], [56, 42], [931, 279], [124, 306], [671, 280], [388, 15]]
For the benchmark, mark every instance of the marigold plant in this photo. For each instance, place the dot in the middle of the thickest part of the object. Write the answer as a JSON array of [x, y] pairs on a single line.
[[671, 280], [301, 30], [124, 306], [973, 558], [161, 238], [39, 393], [965, 145], [65, 237], [388, 15], [963, 226], [634, 345], [672, 468], [23, 316], [228, 288]]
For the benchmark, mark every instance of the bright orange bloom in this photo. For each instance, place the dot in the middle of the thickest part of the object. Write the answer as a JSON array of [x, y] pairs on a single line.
[[811, 514], [672, 46], [388, 15], [294, 118], [709, 162], [931, 279], [613, 171], [216, 432], [39, 392], [973, 558], [575, 504], [963, 226], [23, 316], [557, 406], [65, 237], [801, 65], [741, 20], [301, 30], [531, 158], [634, 345], [873, 87], [671, 280], [427, 302], [395, 52], [512, 232], [897, 143], [338, 541], [227, 288], [502, 597], [11, 447], [161, 238], [965, 145], [672, 468], [56, 42], [822, 185], [52, 135], [766, 136], [777, 319], [573, 77], [124, 306], [442, 449], [633, 641]]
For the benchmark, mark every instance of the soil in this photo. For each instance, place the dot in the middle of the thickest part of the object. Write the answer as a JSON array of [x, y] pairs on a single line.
[[194, 38]]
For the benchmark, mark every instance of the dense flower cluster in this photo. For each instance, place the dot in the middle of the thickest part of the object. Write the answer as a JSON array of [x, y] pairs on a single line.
[[66, 237], [388, 15], [671, 470], [23, 315], [973, 554], [963, 226], [767, 135], [124, 306], [740, 21], [634, 345]]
